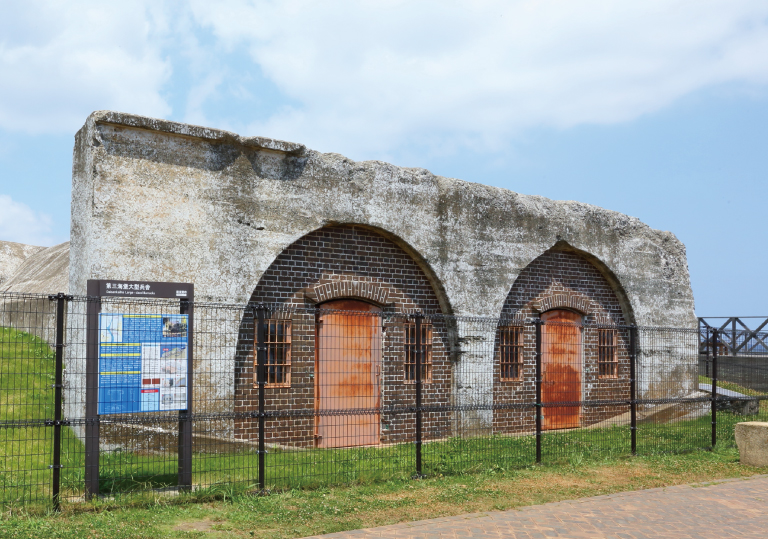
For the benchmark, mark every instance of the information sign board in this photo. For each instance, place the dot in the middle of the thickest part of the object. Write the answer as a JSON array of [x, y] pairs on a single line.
[[138, 363], [142, 362]]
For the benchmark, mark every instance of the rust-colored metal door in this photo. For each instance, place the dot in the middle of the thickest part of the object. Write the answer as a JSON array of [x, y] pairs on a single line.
[[348, 368], [561, 369]]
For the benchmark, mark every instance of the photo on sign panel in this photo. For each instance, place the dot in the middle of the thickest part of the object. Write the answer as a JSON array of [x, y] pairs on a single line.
[[175, 326], [111, 328]]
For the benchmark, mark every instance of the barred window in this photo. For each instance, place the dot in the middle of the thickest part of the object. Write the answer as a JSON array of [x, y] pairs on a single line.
[[278, 358], [511, 352], [607, 361], [410, 352]]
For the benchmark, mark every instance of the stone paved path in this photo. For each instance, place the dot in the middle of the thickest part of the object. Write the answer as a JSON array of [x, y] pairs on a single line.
[[722, 509]]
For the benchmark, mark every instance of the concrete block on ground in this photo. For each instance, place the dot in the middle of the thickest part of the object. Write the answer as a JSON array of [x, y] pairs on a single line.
[[752, 439]]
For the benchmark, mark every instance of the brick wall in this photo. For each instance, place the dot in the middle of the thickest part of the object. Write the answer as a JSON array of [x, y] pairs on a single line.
[[354, 262], [563, 280], [343, 262]]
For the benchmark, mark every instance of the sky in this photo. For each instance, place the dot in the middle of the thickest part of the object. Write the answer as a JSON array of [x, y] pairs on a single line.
[[654, 108]]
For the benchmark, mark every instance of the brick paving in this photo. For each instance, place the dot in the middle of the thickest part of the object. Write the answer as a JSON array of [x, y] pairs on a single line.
[[721, 509]]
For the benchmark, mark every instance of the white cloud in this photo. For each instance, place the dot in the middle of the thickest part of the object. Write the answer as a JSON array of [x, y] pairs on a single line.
[[373, 77], [197, 96], [19, 223], [378, 75], [62, 60]]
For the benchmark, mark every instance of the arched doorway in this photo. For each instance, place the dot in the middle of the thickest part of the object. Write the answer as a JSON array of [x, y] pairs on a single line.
[[561, 369], [585, 349], [348, 373]]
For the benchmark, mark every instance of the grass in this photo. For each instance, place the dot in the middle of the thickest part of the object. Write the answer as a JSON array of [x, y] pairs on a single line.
[[733, 387], [739, 389], [26, 375], [298, 513], [123, 472], [468, 474]]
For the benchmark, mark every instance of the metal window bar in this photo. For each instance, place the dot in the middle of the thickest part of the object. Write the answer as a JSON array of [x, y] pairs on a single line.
[[608, 362], [511, 352], [411, 350], [278, 353]]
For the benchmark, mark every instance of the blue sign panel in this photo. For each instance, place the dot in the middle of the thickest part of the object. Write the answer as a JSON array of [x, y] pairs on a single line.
[[142, 362]]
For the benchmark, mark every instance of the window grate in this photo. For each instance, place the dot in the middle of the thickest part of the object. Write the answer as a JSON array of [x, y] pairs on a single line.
[[607, 361], [278, 360], [511, 352], [410, 352]]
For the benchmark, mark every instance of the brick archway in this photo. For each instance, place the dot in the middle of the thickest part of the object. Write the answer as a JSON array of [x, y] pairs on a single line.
[[565, 279], [351, 261], [345, 263]]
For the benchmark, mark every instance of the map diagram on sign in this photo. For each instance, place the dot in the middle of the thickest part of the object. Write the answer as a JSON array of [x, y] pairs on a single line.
[[143, 362]]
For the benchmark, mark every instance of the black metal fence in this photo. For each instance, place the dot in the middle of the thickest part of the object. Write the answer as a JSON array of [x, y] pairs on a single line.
[[293, 397]]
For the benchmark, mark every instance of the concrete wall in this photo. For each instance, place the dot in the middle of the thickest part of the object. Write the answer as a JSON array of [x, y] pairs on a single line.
[[158, 200]]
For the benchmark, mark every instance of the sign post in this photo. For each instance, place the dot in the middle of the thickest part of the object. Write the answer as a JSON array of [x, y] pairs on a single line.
[[138, 363]]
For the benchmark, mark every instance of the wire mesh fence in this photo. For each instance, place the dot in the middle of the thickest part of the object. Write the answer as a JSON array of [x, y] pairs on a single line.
[[114, 396]]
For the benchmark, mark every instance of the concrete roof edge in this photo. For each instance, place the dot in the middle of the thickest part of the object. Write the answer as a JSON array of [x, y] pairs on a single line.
[[195, 131], [297, 149], [478, 188]]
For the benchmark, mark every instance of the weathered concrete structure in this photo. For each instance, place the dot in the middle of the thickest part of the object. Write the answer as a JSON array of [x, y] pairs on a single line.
[[163, 201], [34, 272], [153, 199], [12, 256], [44, 271]]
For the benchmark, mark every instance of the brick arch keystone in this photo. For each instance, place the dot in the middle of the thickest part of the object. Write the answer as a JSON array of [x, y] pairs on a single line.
[[573, 300], [348, 288]]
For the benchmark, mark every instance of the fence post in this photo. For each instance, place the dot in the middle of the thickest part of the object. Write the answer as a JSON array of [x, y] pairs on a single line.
[[708, 348], [715, 334], [537, 322], [633, 386], [261, 357], [418, 360], [60, 298], [92, 423], [184, 481]]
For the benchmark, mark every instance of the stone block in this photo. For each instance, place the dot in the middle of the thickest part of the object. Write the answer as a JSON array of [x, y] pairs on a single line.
[[752, 439]]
